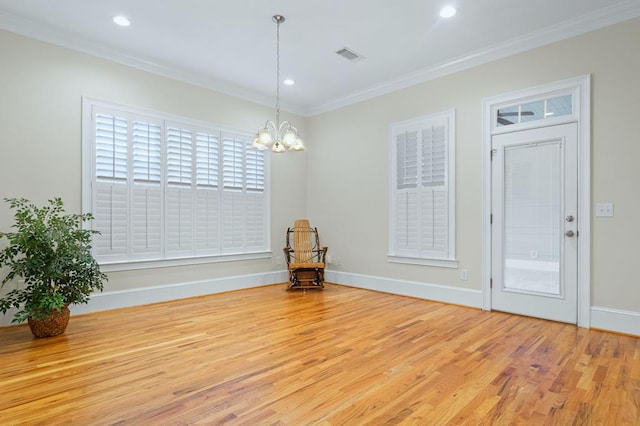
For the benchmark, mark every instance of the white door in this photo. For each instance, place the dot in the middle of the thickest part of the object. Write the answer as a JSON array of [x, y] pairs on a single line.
[[534, 222]]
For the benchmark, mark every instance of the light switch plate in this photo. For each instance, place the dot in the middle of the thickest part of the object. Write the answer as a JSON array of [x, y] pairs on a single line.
[[604, 210]]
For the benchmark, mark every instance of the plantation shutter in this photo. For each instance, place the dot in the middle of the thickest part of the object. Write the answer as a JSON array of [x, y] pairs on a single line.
[[111, 219], [233, 197], [434, 190], [163, 188], [179, 194], [146, 193], [207, 220], [111, 147], [255, 171], [232, 163], [407, 160], [206, 161], [110, 187], [255, 228], [407, 221], [420, 192], [407, 190], [179, 159], [147, 152]]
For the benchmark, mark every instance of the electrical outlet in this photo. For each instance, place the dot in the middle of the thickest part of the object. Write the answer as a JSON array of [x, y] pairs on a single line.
[[604, 210], [463, 275], [534, 254]]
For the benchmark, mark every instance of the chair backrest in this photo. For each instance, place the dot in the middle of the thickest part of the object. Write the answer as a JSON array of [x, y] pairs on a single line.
[[302, 241], [305, 242]]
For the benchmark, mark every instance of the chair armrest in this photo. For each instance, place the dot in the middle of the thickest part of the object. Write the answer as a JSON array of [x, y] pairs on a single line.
[[287, 254], [322, 253]]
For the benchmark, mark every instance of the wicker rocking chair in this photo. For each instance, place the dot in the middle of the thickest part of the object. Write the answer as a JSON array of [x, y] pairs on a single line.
[[305, 258]]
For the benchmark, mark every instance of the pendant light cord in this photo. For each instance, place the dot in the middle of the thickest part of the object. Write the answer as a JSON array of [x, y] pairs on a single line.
[[278, 73]]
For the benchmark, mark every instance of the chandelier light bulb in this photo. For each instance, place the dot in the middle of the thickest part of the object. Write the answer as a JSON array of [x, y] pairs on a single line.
[[298, 145], [278, 148], [258, 145], [289, 138], [265, 136]]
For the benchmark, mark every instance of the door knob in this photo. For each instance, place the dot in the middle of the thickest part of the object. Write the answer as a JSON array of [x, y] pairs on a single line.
[[569, 218], [569, 233]]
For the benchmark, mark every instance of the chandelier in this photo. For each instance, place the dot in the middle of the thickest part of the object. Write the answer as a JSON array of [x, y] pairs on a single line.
[[279, 136]]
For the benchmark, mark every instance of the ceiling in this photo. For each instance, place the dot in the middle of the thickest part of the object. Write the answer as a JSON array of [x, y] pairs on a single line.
[[230, 46]]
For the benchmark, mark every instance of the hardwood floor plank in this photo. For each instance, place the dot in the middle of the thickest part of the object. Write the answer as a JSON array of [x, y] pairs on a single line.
[[342, 356]]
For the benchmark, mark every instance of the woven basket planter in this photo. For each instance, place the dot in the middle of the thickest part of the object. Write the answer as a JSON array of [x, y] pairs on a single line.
[[54, 325]]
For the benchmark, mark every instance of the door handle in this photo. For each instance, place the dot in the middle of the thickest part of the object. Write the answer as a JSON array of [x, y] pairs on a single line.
[[569, 218], [569, 233]]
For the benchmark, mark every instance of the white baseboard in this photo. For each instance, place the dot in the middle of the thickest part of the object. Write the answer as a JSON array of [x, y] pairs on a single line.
[[435, 292], [619, 321], [615, 320], [145, 295]]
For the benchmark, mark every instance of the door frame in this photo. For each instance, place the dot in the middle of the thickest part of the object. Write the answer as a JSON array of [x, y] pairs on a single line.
[[580, 88]]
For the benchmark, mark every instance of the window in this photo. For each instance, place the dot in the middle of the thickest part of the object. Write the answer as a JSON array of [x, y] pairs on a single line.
[[422, 190], [543, 109], [166, 188]]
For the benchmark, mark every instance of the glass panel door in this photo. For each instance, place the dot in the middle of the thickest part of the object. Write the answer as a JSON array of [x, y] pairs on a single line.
[[532, 235]]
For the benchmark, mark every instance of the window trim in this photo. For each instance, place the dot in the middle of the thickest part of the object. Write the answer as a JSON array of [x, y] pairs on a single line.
[[449, 260], [135, 265], [537, 97], [88, 178]]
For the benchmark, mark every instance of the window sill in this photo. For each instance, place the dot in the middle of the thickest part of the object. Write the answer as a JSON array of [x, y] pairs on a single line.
[[441, 263], [132, 265]]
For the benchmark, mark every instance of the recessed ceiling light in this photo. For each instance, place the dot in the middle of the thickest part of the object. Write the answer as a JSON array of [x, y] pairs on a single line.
[[121, 20], [448, 11], [289, 82]]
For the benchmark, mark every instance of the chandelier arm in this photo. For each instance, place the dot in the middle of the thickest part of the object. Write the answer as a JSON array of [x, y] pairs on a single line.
[[284, 126]]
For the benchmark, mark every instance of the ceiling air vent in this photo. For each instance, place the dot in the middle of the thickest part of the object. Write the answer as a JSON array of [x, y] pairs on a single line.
[[350, 54]]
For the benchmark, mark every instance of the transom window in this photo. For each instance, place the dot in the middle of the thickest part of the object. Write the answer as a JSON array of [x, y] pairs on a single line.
[[542, 109]]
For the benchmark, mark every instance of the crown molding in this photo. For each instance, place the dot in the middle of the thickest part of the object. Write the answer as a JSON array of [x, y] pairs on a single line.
[[589, 22], [31, 29], [598, 19]]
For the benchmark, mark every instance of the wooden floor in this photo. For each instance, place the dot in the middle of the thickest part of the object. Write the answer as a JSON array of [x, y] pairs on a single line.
[[341, 356]]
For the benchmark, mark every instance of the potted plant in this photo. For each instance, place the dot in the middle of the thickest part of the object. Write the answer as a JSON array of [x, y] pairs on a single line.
[[51, 253]]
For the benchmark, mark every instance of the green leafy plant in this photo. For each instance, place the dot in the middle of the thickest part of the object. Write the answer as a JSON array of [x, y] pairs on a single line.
[[51, 252]]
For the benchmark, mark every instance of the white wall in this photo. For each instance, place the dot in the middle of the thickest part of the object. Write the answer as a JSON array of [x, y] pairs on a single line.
[[347, 183]]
